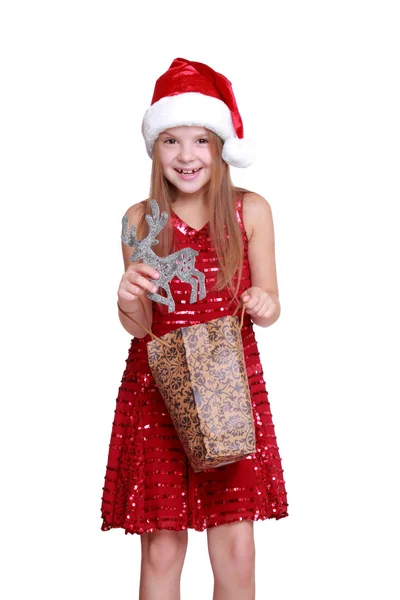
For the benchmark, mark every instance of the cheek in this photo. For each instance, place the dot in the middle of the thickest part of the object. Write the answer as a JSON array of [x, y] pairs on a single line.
[[166, 162], [166, 154], [207, 158], [163, 162]]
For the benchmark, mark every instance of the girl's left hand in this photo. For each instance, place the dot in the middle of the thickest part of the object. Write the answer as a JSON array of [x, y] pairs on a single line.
[[259, 304]]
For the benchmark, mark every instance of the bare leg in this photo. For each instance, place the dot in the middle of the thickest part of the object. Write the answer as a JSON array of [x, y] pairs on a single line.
[[232, 555], [163, 555]]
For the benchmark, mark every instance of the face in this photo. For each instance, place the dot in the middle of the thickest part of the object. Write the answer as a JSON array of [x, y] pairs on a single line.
[[185, 157]]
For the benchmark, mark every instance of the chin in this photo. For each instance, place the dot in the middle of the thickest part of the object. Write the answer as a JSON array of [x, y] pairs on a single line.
[[189, 189], [186, 189]]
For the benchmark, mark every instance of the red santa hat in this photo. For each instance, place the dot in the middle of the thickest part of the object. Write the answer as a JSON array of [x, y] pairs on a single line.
[[191, 93]]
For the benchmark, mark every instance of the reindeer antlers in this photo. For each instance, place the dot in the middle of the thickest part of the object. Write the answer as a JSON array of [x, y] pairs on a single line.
[[129, 238], [155, 226], [155, 223]]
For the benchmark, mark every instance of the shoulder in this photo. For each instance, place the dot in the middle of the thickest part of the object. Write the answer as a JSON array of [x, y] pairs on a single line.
[[135, 212], [257, 213]]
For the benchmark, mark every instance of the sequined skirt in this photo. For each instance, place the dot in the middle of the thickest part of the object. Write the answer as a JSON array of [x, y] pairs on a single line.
[[149, 484]]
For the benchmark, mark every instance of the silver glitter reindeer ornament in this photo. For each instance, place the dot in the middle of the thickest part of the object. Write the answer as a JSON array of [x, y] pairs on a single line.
[[179, 264]]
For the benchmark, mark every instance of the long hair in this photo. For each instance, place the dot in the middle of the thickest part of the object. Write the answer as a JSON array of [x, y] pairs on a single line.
[[221, 198]]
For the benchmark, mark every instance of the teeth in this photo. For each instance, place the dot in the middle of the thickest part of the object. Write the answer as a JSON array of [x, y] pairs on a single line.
[[188, 172]]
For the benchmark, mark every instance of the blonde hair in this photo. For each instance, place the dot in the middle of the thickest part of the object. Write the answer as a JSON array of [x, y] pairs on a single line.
[[221, 198]]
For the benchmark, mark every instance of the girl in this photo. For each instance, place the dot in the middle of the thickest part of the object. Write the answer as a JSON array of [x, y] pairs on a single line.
[[193, 131]]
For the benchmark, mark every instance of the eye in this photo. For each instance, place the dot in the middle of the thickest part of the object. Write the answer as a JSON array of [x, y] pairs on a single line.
[[170, 141], [203, 141]]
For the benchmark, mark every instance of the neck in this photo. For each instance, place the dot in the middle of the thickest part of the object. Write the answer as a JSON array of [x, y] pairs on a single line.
[[197, 200]]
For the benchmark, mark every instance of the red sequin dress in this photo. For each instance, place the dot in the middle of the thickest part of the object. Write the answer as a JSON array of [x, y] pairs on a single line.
[[149, 484]]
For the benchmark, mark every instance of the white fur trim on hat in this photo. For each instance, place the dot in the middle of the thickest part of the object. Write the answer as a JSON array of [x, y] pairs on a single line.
[[189, 108]]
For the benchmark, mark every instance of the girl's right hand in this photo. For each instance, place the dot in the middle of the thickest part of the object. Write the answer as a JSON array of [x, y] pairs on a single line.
[[135, 283]]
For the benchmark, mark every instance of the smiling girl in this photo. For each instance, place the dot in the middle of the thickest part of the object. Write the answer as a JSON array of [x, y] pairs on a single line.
[[193, 131]]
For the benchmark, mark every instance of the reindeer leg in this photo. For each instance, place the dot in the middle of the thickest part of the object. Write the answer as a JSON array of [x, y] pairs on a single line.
[[193, 294], [169, 301], [202, 281], [157, 297]]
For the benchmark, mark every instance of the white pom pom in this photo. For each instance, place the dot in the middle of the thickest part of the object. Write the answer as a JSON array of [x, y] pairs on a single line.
[[238, 152]]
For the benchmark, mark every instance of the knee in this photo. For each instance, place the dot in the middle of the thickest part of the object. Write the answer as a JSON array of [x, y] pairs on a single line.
[[241, 563], [233, 558], [164, 551]]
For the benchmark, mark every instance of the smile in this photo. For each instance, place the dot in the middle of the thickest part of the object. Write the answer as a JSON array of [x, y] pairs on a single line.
[[184, 172]]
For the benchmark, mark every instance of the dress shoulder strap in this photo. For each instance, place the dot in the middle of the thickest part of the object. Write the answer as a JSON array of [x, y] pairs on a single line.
[[239, 212]]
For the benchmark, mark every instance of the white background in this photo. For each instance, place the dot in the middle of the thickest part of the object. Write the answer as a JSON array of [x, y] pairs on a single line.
[[317, 84]]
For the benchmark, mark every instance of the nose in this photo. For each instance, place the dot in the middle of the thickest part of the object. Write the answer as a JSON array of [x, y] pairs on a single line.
[[186, 152]]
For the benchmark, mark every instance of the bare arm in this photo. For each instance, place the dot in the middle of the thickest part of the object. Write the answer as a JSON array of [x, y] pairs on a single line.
[[264, 293]]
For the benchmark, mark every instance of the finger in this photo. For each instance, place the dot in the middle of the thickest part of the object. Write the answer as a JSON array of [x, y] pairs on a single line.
[[142, 282], [143, 269], [257, 306], [252, 302], [264, 311], [149, 270], [136, 291], [127, 295], [268, 313], [245, 296]]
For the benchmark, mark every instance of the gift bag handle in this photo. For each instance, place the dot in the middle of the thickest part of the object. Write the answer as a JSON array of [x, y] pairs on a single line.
[[154, 337]]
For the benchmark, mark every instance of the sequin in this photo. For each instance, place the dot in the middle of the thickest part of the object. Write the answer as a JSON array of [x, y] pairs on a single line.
[[149, 485]]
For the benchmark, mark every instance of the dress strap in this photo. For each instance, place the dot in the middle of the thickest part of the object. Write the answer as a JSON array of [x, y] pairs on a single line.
[[239, 213]]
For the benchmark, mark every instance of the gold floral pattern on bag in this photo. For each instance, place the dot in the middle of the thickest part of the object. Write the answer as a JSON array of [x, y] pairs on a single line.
[[201, 374]]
